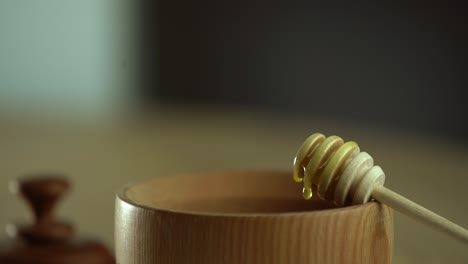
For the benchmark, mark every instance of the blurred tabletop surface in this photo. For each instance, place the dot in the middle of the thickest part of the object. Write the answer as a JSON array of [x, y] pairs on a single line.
[[100, 157]]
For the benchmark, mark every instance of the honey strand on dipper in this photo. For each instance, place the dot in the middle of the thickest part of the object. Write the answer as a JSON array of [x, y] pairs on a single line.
[[344, 175]]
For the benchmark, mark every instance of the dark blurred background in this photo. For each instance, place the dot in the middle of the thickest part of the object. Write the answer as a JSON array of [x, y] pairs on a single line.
[[393, 65]]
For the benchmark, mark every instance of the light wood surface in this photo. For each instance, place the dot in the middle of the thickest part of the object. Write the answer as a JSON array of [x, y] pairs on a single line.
[[101, 157], [244, 217]]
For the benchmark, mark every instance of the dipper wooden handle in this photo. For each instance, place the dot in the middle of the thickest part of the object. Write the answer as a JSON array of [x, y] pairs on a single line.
[[416, 211], [345, 175]]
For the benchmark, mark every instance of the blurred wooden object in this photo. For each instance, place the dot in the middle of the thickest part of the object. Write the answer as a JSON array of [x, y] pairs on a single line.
[[244, 217], [48, 240]]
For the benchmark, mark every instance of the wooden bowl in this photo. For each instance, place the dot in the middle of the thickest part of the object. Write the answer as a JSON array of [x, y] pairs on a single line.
[[244, 217]]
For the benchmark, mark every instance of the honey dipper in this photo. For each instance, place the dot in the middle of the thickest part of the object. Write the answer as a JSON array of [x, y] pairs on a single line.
[[344, 175]]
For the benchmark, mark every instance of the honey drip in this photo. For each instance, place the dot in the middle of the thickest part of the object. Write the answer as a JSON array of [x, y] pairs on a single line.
[[338, 170], [342, 174], [320, 162]]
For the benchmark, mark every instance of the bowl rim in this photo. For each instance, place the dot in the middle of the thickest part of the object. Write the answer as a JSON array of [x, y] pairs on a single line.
[[121, 195]]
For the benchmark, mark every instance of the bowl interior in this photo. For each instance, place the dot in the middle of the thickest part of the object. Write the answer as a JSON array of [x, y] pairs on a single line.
[[232, 192]]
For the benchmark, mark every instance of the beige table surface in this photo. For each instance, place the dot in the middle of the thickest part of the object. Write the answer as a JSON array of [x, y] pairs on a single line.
[[99, 158]]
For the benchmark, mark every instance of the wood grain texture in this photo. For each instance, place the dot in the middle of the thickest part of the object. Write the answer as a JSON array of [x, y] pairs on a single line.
[[244, 217]]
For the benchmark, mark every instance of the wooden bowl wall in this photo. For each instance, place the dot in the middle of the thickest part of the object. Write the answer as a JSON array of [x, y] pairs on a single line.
[[244, 217]]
